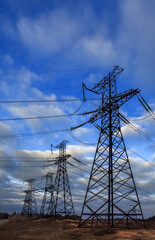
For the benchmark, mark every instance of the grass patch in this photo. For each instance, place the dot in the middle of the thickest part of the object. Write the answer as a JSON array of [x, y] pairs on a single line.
[[24, 228], [103, 231]]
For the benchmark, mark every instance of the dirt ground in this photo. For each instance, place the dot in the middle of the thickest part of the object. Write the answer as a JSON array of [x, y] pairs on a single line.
[[20, 228]]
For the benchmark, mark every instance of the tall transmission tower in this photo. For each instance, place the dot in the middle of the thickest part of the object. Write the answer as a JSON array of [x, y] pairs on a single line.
[[30, 206], [111, 196], [47, 206], [63, 198]]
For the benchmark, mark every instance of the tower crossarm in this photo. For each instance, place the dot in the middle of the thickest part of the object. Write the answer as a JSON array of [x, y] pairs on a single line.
[[60, 158], [116, 102], [123, 97], [100, 86]]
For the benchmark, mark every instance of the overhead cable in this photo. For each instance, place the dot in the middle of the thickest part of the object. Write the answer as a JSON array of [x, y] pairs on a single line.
[[144, 159], [48, 101], [33, 133], [19, 166], [126, 121], [53, 71], [76, 139], [146, 106], [139, 118], [43, 117]]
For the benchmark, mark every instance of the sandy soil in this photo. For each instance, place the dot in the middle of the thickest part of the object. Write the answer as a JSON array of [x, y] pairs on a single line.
[[19, 228]]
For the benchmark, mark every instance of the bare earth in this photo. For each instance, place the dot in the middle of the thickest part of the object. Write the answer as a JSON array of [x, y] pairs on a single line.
[[20, 228], [3, 221]]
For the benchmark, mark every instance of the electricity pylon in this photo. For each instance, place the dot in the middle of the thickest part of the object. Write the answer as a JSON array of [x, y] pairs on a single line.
[[62, 193], [30, 206], [111, 195], [47, 206]]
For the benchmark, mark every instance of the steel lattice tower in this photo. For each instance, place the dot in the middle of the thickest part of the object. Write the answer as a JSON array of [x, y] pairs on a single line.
[[111, 196], [63, 198], [47, 206], [30, 206]]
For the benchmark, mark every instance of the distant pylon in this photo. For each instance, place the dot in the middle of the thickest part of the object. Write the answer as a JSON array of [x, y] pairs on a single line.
[[111, 196], [63, 198], [30, 206], [47, 206]]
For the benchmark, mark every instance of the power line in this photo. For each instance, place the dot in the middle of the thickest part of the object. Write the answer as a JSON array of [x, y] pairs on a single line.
[[53, 71], [45, 159], [87, 172], [76, 139], [43, 117], [139, 119], [19, 166], [47, 132], [126, 121], [24, 158], [151, 163], [72, 165], [33, 133], [21, 157], [146, 106], [43, 166], [9, 160], [17, 188], [77, 174], [41, 89], [141, 133], [47, 101], [39, 117]]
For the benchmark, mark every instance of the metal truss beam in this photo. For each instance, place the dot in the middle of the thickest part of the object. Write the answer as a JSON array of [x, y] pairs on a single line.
[[111, 196]]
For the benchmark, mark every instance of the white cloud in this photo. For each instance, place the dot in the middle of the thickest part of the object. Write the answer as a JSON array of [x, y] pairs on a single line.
[[129, 131], [50, 32], [97, 48], [85, 38], [59, 31], [5, 129], [8, 59], [135, 44], [82, 131], [21, 82], [80, 150], [35, 110]]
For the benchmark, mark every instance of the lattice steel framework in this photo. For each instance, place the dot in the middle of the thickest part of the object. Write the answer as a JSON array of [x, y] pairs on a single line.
[[47, 206], [63, 198], [111, 196], [30, 205]]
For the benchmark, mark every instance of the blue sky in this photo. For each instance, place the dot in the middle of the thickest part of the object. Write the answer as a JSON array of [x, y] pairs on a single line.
[[41, 44]]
